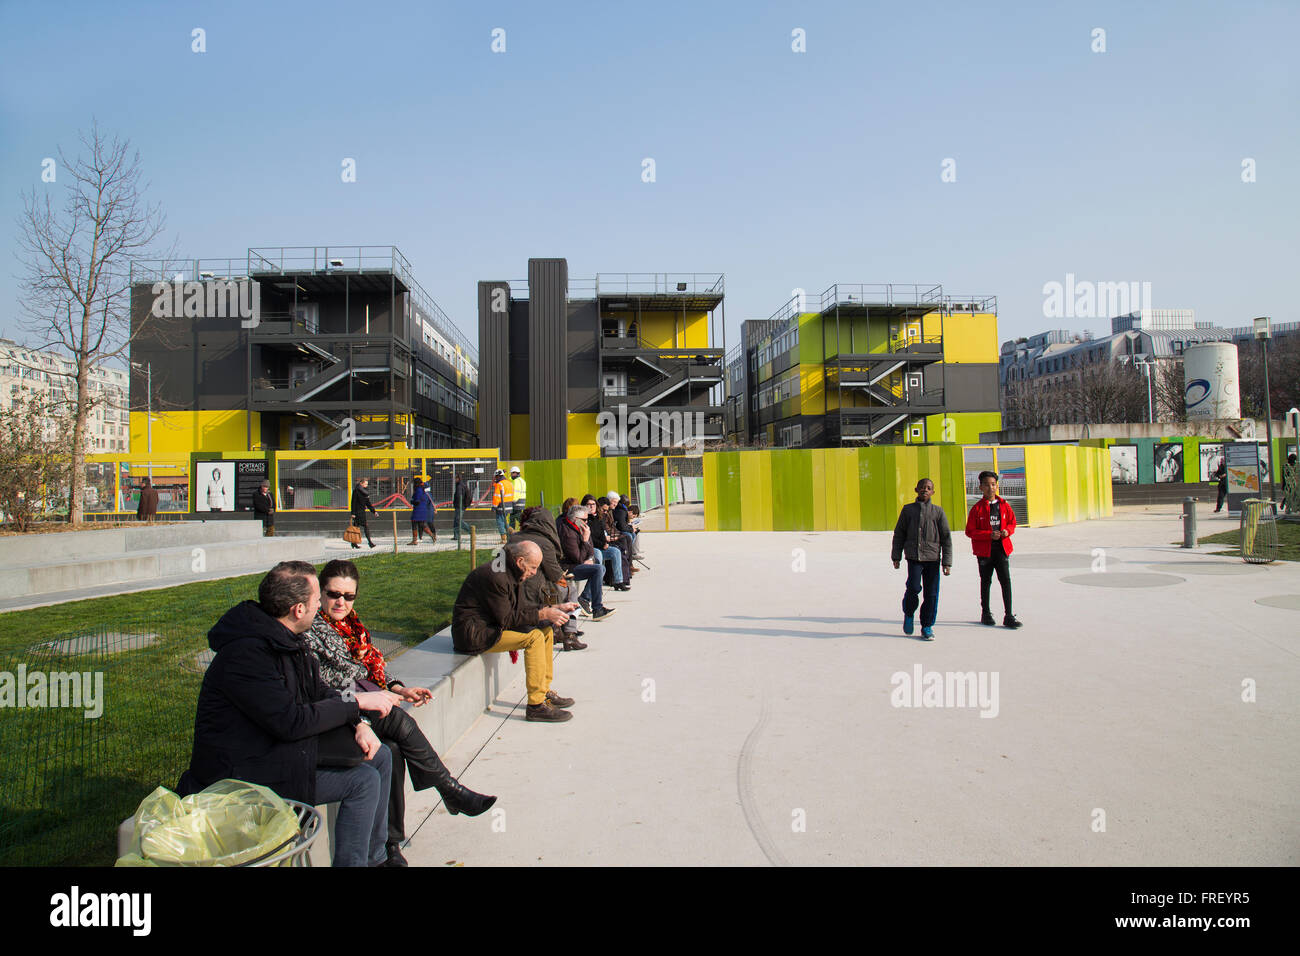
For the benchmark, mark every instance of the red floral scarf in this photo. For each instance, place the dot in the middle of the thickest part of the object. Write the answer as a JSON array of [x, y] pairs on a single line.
[[356, 636]]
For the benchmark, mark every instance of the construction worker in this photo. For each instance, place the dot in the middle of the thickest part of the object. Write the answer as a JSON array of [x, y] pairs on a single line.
[[503, 498], [521, 494]]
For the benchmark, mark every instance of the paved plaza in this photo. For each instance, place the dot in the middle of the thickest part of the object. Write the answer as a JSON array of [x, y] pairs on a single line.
[[740, 709]]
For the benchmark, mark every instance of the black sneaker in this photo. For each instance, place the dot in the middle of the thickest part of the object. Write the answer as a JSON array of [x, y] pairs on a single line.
[[602, 613], [544, 711], [987, 620], [1011, 622], [585, 605]]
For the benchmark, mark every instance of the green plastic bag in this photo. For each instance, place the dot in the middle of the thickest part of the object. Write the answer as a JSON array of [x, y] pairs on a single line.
[[231, 823]]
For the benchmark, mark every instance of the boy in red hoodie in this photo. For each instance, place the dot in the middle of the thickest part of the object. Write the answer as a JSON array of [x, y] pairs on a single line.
[[990, 525]]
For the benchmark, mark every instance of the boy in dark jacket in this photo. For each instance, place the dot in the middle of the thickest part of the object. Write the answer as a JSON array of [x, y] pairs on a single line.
[[923, 535], [990, 525]]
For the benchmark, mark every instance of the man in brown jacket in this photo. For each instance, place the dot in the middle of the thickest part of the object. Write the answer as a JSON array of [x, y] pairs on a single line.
[[493, 614], [148, 507], [550, 583]]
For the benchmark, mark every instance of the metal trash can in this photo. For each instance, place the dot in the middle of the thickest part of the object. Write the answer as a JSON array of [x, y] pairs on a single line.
[[296, 852], [1258, 531]]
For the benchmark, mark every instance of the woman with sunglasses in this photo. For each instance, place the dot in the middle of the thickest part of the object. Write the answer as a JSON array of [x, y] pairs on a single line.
[[350, 662]]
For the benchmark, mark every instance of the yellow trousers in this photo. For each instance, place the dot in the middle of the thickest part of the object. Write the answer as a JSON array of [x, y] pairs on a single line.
[[539, 654]]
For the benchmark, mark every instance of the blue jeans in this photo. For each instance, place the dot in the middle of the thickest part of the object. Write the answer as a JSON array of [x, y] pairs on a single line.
[[922, 574], [614, 559], [592, 574], [458, 524], [501, 520], [361, 830]]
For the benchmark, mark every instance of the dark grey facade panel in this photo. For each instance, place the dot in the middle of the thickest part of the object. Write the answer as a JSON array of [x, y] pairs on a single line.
[[584, 357], [548, 388], [519, 358], [494, 365], [970, 388]]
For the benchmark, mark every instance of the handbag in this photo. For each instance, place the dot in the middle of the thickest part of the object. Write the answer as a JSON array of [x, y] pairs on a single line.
[[352, 535], [339, 748]]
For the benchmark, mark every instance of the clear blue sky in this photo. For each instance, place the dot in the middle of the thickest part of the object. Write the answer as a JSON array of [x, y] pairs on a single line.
[[779, 169]]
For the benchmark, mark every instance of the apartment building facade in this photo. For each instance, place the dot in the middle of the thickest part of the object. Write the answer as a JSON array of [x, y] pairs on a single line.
[[625, 363], [866, 364], [44, 374], [345, 350]]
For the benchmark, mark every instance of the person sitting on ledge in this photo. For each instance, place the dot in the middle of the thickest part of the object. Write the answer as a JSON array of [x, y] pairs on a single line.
[[263, 705], [351, 664], [608, 542], [579, 558], [550, 585], [493, 614]]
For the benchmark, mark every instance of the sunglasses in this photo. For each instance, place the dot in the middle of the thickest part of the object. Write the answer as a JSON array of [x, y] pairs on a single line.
[[335, 595]]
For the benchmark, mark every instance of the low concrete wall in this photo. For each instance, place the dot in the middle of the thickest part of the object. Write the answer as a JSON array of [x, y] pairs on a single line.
[[21, 550]]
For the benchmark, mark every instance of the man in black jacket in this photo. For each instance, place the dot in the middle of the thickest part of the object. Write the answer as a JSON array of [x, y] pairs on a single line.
[[923, 535], [460, 502], [264, 507], [360, 505], [493, 614], [263, 705]]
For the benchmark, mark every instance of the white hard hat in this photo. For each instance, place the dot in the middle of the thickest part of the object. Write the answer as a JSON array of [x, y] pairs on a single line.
[[514, 470]]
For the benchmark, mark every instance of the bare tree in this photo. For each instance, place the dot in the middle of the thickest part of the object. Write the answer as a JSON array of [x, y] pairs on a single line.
[[1170, 385], [76, 261]]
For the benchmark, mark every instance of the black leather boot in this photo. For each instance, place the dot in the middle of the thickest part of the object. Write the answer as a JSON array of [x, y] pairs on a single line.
[[429, 771]]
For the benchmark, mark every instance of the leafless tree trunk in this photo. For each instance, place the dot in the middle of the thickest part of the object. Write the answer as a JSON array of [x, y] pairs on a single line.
[[76, 262]]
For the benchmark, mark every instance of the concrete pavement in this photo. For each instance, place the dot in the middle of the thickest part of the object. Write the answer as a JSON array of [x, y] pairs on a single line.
[[741, 709]]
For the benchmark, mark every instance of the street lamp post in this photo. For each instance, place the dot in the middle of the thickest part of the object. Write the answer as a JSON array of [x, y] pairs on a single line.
[[1262, 332], [148, 420], [1146, 364]]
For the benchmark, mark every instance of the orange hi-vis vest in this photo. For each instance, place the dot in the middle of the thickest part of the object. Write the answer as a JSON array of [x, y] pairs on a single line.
[[503, 493]]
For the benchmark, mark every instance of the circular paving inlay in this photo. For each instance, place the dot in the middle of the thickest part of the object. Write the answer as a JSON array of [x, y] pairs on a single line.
[[1057, 561], [1204, 567], [1289, 602], [1123, 579]]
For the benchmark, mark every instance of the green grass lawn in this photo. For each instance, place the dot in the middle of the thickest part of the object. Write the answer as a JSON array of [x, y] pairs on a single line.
[[1288, 541], [69, 781]]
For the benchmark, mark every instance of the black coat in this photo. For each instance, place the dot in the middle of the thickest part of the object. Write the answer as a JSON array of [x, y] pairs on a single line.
[[261, 707], [490, 602], [622, 520], [460, 497], [263, 505], [360, 505], [540, 529]]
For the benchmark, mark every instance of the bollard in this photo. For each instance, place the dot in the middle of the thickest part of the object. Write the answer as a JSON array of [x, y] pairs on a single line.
[[394, 532], [1189, 522]]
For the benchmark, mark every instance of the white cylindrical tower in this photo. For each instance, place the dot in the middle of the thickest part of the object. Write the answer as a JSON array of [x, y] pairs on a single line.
[[1210, 381]]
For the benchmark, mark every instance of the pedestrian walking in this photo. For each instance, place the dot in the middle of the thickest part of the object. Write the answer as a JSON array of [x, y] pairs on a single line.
[[421, 512], [360, 505], [503, 496], [460, 502], [922, 536], [990, 525], [1221, 475], [147, 510]]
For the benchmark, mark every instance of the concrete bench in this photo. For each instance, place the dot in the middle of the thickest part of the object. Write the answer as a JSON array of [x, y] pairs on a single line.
[[463, 688]]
